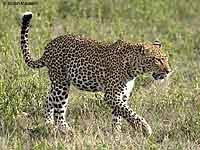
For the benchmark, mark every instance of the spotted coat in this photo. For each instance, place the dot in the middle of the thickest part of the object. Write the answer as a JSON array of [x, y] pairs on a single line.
[[95, 66]]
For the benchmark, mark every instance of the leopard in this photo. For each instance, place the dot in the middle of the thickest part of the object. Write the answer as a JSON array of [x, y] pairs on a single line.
[[95, 66]]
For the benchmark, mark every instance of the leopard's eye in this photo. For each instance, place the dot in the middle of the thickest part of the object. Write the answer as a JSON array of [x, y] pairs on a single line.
[[159, 60]]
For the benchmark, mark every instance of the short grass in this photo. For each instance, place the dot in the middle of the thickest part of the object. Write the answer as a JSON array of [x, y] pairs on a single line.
[[172, 108]]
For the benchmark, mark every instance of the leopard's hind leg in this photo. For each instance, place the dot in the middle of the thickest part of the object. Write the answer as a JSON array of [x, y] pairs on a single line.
[[49, 109], [57, 101], [61, 93]]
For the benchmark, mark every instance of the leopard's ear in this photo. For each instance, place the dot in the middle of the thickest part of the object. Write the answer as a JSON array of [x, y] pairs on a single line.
[[157, 43]]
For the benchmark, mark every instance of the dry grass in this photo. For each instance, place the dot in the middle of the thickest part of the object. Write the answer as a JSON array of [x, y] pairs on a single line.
[[172, 107]]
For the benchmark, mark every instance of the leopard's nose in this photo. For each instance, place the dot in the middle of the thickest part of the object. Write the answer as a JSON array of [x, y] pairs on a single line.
[[167, 70]]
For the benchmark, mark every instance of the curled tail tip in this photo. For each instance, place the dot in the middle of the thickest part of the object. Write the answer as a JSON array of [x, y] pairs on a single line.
[[26, 17]]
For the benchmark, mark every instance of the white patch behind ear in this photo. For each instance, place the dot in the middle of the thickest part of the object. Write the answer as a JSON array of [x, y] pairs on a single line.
[[157, 43]]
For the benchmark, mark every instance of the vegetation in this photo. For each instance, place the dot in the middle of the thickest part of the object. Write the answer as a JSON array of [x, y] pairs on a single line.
[[172, 107]]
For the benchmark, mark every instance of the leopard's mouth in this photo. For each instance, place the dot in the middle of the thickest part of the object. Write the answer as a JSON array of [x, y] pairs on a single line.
[[159, 75]]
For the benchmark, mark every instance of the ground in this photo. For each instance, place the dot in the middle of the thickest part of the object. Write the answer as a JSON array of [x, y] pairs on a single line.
[[172, 107]]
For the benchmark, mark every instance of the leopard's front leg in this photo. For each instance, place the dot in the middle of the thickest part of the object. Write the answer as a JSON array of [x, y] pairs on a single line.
[[114, 98], [124, 96]]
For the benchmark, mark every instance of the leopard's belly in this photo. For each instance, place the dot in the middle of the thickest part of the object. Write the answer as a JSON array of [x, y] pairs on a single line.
[[87, 78]]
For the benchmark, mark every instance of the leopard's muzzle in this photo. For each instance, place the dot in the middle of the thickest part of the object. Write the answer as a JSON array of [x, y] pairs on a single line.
[[160, 74]]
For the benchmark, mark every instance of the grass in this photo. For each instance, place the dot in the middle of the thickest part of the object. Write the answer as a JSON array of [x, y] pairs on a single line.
[[172, 108]]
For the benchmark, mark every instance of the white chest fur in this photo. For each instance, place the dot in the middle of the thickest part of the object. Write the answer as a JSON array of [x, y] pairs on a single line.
[[129, 87]]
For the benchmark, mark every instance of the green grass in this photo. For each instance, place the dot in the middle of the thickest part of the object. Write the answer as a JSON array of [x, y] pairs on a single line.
[[172, 108]]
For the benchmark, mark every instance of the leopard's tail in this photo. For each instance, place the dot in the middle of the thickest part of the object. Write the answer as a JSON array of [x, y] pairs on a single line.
[[25, 25]]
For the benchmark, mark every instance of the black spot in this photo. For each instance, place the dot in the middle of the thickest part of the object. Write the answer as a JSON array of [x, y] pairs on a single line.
[[60, 97], [84, 79], [65, 89], [24, 28], [64, 93], [61, 117], [90, 82], [87, 84], [96, 84], [66, 96], [61, 111], [58, 92], [116, 93], [50, 99], [59, 105], [56, 99], [114, 103], [64, 84], [84, 87], [23, 42], [23, 32], [80, 82], [92, 87], [54, 93]]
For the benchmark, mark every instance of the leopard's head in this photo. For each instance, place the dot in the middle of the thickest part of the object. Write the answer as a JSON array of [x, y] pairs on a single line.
[[154, 60]]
